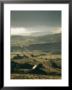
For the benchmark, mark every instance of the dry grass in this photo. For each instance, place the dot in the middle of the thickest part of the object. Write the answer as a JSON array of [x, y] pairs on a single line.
[[51, 65], [34, 76]]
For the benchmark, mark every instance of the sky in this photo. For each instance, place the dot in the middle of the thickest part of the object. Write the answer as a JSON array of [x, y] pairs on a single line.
[[35, 23]]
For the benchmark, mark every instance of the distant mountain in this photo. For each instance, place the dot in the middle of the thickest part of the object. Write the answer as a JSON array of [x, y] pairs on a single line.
[[44, 43], [40, 39], [49, 38]]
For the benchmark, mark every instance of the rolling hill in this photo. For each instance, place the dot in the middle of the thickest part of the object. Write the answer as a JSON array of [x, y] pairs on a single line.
[[44, 43]]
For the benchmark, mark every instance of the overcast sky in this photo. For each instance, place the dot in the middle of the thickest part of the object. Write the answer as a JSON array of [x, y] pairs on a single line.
[[35, 23]]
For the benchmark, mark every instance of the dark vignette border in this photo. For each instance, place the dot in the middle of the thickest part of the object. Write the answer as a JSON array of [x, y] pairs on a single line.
[[2, 36], [70, 41], [1, 45]]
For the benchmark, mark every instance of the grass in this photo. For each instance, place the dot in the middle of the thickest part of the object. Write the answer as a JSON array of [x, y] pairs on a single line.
[[50, 65], [34, 76]]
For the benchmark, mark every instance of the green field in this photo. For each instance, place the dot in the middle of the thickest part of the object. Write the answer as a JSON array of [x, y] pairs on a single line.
[[44, 52]]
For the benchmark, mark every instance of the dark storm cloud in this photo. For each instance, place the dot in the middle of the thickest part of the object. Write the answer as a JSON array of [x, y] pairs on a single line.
[[35, 18], [35, 22]]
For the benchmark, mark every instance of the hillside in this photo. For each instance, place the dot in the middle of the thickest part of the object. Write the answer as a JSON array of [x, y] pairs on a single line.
[[43, 51], [34, 40], [44, 43]]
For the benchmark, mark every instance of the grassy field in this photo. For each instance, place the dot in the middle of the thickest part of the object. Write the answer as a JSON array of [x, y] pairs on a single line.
[[49, 65], [26, 53]]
